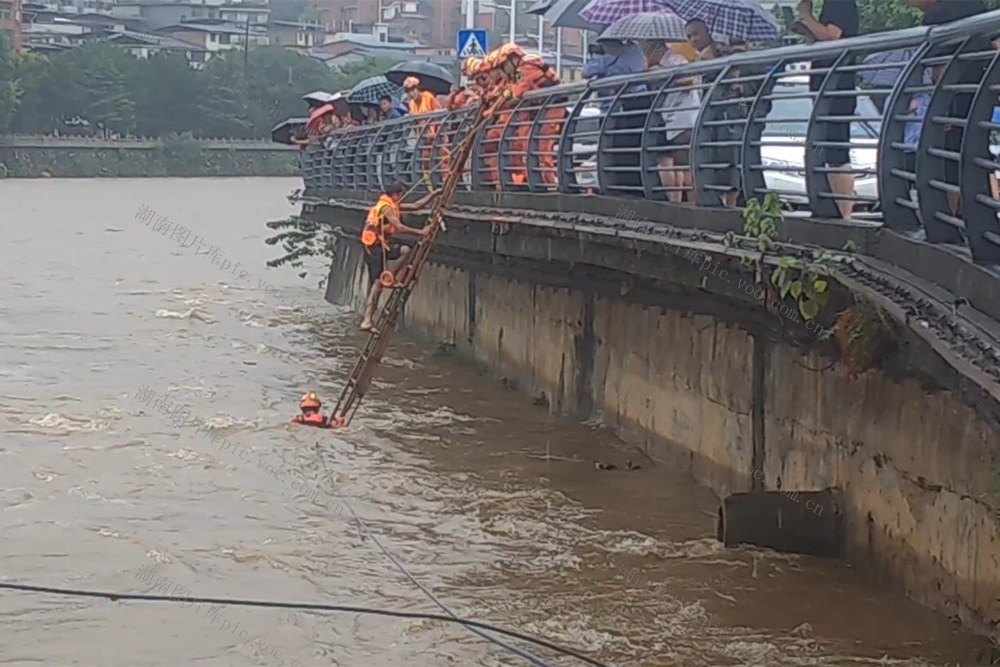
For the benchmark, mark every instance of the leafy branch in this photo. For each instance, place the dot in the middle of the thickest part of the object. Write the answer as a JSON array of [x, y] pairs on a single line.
[[805, 281], [301, 238]]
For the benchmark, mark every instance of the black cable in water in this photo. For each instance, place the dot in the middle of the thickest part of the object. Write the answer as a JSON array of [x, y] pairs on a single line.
[[295, 606], [530, 657]]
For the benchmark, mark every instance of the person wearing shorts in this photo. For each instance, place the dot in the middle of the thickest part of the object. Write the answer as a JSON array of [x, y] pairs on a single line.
[[838, 19], [381, 251]]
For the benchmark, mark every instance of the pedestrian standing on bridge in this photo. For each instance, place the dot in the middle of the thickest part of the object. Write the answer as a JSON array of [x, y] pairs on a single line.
[[385, 257], [838, 19], [938, 12]]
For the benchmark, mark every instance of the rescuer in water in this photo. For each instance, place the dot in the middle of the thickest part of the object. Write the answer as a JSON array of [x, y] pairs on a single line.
[[384, 257], [311, 416]]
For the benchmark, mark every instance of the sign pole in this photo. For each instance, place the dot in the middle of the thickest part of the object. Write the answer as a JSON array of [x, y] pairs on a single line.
[[470, 14], [513, 21]]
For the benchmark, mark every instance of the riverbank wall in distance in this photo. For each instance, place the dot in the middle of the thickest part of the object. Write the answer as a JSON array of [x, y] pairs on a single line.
[[41, 156]]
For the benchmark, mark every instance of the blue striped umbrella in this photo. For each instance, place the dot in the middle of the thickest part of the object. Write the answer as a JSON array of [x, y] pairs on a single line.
[[371, 90], [654, 26], [737, 20]]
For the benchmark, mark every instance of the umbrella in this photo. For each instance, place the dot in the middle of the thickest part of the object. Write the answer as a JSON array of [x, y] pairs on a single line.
[[432, 77], [565, 14], [541, 6], [285, 130], [897, 60], [606, 12], [371, 90], [340, 104], [738, 20], [649, 25], [318, 98], [317, 113]]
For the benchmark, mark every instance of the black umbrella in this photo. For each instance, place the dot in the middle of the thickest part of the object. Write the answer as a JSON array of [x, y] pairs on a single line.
[[432, 77], [565, 14], [340, 103], [285, 130]]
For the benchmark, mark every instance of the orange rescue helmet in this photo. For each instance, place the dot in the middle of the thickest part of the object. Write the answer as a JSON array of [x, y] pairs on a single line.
[[471, 66], [508, 51], [492, 60], [310, 400], [410, 82], [534, 60]]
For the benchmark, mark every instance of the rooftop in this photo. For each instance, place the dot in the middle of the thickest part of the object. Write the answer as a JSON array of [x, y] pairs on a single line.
[[223, 28], [370, 41], [161, 41], [298, 25]]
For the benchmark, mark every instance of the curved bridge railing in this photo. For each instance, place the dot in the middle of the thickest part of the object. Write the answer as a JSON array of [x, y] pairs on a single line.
[[908, 116]]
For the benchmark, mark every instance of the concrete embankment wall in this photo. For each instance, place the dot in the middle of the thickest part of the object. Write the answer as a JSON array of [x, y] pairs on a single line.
[[83, 157], [718, 394]]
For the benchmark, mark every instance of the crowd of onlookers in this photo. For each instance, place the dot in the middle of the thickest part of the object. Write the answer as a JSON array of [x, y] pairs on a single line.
[[327, 117], [838, 19]]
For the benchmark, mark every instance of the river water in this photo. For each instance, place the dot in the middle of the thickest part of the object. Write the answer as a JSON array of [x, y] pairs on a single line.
[[145, 389]]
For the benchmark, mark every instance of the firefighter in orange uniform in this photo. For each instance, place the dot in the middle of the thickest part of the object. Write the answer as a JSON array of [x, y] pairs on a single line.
[[419, 102], [477, 79], [464, 95], [501, 76], [311, 416], [383, 256], [534, 74]]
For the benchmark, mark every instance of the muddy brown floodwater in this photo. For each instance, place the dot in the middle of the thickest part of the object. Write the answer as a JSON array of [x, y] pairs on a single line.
[[115, 338]]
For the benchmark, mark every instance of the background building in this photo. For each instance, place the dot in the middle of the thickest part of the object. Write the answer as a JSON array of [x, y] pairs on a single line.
[[10, 21]]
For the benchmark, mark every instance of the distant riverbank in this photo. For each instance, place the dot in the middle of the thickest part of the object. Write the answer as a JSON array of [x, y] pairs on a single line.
[[41, 156]]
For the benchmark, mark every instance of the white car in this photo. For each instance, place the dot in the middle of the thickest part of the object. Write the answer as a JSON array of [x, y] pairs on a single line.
[[584, 149], [786, 122]]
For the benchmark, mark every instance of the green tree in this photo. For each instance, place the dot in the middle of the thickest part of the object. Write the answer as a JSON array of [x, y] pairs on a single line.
[[276, 79], [223, 107], [163, 95], [32, 74], [10, 92], [883, 15], [351, 73], [167, 94], [106, 102]]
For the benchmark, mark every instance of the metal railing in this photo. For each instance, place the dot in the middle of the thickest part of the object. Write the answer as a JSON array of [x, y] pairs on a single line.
[[892, 128]]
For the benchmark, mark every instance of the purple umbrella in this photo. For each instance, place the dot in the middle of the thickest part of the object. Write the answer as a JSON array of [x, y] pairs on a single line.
[[738, 20], [606, 12]]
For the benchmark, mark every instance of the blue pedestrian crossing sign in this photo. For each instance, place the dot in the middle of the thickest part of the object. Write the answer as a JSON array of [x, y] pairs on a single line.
[[471, 43]]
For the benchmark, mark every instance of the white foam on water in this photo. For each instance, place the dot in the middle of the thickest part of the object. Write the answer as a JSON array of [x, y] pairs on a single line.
[[189, 314]]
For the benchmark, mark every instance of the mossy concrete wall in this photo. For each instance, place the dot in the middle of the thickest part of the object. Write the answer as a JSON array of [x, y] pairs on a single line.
[[916, 465]]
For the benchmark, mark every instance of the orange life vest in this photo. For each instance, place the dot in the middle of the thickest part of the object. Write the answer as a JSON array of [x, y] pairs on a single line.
[[311, 419], [377, 229], [425, 103]]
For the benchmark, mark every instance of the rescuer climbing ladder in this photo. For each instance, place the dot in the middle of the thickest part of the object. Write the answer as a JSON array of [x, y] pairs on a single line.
[[361, 376]]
